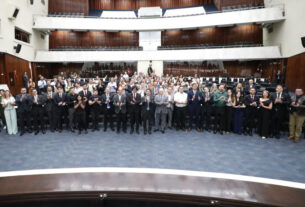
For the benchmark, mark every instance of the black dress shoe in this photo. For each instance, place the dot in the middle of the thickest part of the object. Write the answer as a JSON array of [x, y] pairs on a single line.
[[22, 133], [86, 132], [105, 129], [36, 132], [156, 130], [162, 131], [112, 129], [137, 131], [93, 130], [72, 130], [52, 130], [43, 131], [149, 131], [221, 132], [215, 131], [60, 131], [145, 132], [131, 131], [125, 131]]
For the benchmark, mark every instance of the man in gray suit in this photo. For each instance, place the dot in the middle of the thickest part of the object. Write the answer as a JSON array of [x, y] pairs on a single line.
[[119, 101], [161, 101]]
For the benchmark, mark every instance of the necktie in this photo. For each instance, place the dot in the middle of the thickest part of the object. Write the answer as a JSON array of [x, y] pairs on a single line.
[[60, 95], [85, 93], [148, 104], [108, 104]]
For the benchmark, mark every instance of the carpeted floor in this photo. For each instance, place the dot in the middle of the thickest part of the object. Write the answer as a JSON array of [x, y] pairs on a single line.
[[270, 158]]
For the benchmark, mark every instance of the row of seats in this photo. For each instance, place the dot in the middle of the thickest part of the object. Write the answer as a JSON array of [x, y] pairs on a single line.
[[243, 7], [204, 46], [60, 14], [96, 48]]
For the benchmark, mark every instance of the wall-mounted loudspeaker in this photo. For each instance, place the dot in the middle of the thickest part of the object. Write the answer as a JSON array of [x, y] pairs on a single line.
[[13, 11], [32, 2], [18, 48], [303, 41]]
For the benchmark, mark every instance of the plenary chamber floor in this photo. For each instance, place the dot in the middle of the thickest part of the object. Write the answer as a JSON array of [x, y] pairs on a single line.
[[235, 154]]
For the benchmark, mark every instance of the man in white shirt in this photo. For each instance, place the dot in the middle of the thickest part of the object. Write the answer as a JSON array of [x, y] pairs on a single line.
[[112, 85], [41, 83], [180, 99]]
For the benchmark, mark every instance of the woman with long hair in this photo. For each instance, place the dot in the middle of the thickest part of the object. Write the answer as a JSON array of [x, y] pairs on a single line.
[[8, 103], [229, 111], [265, 107], [238, 113]]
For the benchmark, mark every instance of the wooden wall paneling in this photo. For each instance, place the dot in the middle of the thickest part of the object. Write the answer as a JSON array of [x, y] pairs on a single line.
[[69, 6], [86, 39], [214, 35], [295, 72], [12, 64]]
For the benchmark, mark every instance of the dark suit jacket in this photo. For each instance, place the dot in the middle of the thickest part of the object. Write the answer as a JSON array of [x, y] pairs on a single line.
[[63, 99], [25, 104], [195, 102], [207, 104], [248, 101], [280, 107], [42, 99], [87, 96], [116, 102], [104, 97], [151, 104], [247, 88], [133, 107], [49, 102]]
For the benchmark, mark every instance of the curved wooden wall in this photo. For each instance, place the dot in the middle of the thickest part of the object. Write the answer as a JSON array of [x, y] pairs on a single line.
[[69, 6], [136, 4], [86, 39], [223, 35]]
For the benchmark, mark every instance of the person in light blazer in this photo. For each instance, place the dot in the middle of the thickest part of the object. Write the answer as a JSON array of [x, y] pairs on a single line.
[[161, 101], [8, 103]]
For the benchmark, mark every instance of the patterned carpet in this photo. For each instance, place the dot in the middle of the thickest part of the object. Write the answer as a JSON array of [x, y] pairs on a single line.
[[270, 158]]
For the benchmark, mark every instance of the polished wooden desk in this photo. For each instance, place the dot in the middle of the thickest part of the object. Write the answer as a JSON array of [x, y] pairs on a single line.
[[150, 185]]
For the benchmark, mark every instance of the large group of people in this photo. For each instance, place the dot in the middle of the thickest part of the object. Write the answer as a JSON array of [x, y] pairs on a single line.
[[152, 102]]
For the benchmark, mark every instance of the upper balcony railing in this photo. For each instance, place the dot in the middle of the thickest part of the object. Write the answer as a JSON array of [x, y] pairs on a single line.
[[208, 9]]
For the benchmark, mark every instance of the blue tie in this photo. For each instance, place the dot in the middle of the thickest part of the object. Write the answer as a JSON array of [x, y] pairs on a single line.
[[148, 105], [108, 105]]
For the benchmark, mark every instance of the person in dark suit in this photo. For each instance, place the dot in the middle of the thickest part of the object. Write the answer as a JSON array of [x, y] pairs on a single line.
[[278, 77], [206, 109], [70, 103], [149, 70], [147, 111], [49, 107], [60, 105], [95, 102], [24, 106], [80, 114], [161, 102], [38, 111], [280, 102], [86, 94], [119, 102], [107, 100], [251, 101], [25, 80], [134, 100], [249, 86], [194, 98]]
